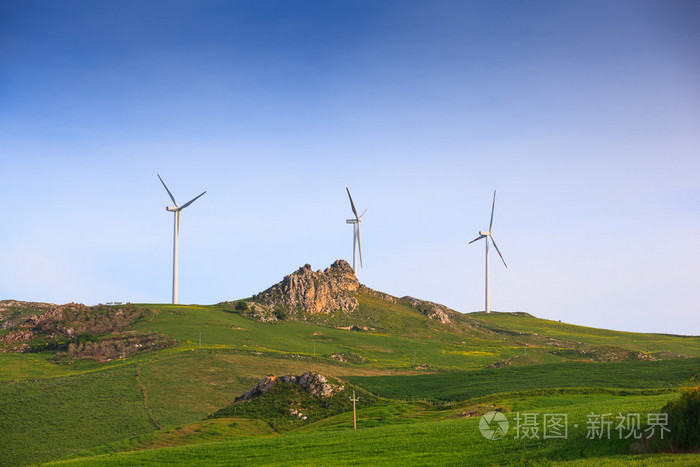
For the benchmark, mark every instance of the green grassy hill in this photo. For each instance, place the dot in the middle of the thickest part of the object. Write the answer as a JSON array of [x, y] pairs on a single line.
[[54, 407], [454, 441], [461, 385], [49, 418]]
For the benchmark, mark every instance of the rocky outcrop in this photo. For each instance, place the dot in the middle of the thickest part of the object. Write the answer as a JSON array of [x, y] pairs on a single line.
[[432, 310], [13, 312], [315, 384], [309, 291], [56, 326], [16, 340], [53, 315], [382, 295]]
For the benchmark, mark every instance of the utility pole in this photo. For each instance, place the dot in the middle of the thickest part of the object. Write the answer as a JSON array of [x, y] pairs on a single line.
[[354, 416]]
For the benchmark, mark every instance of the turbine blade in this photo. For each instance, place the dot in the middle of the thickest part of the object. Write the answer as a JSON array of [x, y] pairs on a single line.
[[190, 201], [499, 251], [360, 218], [352, 204], [359, 242], [166, 189], [493, 205], [478, 238]]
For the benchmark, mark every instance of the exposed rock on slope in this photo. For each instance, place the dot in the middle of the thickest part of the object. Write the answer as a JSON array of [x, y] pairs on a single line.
[[315, 384], [15, 311], [311, 291], [432, 310], [287, 402], [382, 295], [76, 330]]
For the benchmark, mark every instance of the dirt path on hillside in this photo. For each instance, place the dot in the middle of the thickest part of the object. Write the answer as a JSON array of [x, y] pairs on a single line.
[[145, 397]]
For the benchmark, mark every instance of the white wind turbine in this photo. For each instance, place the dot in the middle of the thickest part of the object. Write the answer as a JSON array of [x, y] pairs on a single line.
[[489, 235], [176, 210], [356, 244]]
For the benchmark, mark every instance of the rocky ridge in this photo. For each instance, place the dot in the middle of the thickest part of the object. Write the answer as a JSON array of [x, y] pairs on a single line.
[[323, 292], [317, 292]]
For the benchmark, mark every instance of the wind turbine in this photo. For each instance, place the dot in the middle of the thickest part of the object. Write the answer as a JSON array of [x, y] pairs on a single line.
[[489, 235], [176, 210], [356, 244]]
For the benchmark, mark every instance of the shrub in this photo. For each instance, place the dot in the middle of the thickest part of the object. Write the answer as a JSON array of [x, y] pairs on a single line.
[[241, 306], [84, 337], [280, 313], [684, 420]]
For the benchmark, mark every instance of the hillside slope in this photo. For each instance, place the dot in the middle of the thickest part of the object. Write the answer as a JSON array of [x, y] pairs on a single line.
[[312, 321]]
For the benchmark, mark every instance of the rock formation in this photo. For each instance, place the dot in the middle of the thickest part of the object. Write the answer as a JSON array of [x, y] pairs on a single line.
[[315, 384], [16, 311], [432, 310], [310, 291], [60, 326]]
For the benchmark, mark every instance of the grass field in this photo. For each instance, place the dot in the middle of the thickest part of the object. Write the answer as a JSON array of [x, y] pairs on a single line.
[[402, 340], [444, 442], [46, 419], [644, 342], [460, 385], [50, 410], [115, 407], [219, 330], [207, 431]]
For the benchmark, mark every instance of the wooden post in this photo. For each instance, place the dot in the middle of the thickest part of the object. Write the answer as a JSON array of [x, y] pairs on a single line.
[[354, 417]]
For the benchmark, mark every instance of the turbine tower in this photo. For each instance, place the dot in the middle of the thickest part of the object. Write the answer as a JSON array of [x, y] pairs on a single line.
[[176, 210], [356, 244], [489, 235]]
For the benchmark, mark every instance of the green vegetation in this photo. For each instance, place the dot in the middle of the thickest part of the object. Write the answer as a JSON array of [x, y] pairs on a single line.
[[422, 385], [188, 386], [684, 421], [652, 343], [207, 431], [77, 331], [460, 385], [49, 418], [445, 442], [112, 347], [288, 406]]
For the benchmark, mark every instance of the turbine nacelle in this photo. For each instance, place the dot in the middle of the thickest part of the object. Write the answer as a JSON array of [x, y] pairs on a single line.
[[171, 208], [351, 221], [484, 234]]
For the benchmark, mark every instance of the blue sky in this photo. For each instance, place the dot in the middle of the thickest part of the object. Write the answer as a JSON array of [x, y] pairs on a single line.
[[584, 115]]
